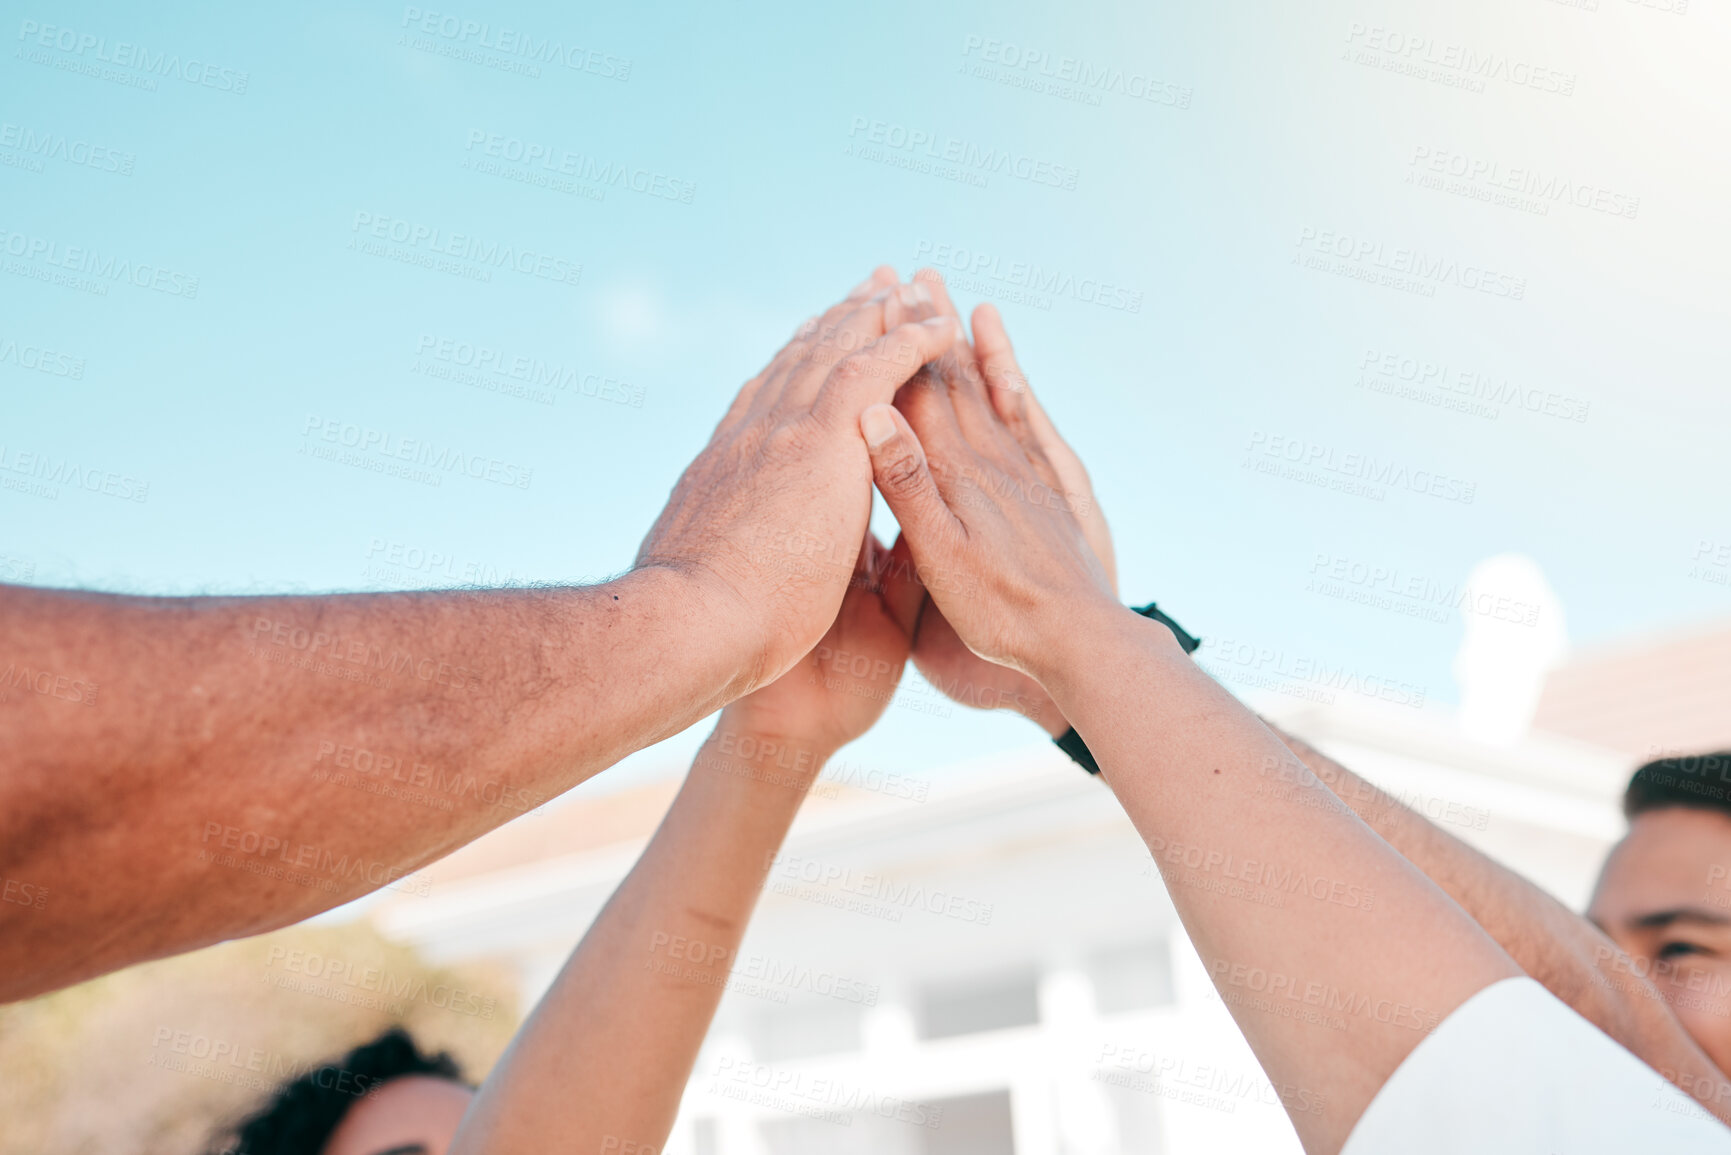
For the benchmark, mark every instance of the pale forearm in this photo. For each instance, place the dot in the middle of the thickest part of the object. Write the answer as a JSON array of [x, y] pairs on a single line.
[[608, 1051], [245, 762], [1571, 957], [1185, 759]]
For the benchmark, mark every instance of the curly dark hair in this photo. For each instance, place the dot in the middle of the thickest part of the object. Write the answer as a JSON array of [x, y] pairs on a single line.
[[1697, 781], [302, 1114]]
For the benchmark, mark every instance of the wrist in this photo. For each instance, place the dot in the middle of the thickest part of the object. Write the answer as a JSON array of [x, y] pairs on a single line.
[[756, 750], [1100, 644], [718, 632], [1044, 713]]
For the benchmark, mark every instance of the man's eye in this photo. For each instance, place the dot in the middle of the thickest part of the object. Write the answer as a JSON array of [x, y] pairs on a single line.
[[1674, 950]]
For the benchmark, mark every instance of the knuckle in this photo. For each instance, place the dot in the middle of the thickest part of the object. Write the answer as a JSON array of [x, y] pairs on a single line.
[[905, 472], [783, 442], [847, 371]]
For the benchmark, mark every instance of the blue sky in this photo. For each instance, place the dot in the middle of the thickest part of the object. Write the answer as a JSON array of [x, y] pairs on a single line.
[[1204, 199]]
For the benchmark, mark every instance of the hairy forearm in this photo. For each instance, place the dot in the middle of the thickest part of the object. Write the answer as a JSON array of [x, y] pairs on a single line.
[[607, 1053], [1366, 939], [1570, 956], [180, 771]]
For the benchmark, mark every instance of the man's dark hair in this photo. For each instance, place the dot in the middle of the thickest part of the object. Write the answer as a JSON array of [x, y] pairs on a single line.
[[1698, 781], [302, 1114]]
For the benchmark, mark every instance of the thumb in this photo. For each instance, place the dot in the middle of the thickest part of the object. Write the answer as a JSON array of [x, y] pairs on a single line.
[[905, 479]]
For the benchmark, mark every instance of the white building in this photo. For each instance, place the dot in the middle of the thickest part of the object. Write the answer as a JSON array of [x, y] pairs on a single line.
[[987, 961]]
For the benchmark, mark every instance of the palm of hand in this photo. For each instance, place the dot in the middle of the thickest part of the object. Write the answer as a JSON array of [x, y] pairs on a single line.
[[838, 690], [938, 651], [945, 661]]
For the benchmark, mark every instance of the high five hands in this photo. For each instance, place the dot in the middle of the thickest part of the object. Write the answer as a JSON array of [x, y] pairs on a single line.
[[1000, 529]]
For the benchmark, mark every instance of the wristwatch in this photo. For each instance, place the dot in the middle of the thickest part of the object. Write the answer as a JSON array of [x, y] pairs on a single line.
[[1071, 743]]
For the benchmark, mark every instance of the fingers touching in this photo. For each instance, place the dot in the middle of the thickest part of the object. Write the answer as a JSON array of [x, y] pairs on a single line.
[[903, 475], [872, 375]]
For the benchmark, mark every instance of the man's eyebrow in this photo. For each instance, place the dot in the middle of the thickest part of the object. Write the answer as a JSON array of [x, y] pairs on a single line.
[[404, 1149], [1660, 919]]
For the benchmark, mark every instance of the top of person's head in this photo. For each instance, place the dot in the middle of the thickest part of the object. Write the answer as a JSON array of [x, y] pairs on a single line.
[[1694, 781], [302, 1114]]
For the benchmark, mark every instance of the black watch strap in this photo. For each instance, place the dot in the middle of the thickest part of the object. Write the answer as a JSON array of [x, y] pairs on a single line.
[[1071, 743], [1190, 642]]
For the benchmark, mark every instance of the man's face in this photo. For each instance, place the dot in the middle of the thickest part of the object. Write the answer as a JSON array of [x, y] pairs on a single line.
[[412, 1115], [1664, 896]]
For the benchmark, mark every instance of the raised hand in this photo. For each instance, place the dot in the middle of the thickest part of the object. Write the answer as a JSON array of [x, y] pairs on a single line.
[[837, 691], [608, 1051], [938, 651], [767, 518], [989, 505]]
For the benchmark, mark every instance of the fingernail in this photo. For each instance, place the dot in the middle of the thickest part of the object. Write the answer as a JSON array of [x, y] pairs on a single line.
[[944, 323], [877, 425], [880, 296], [914, 294]]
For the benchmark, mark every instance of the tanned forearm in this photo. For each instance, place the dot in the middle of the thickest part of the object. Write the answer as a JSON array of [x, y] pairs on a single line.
[[603, 1061], [1571, 957], [175, 772], [1333, 983]]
